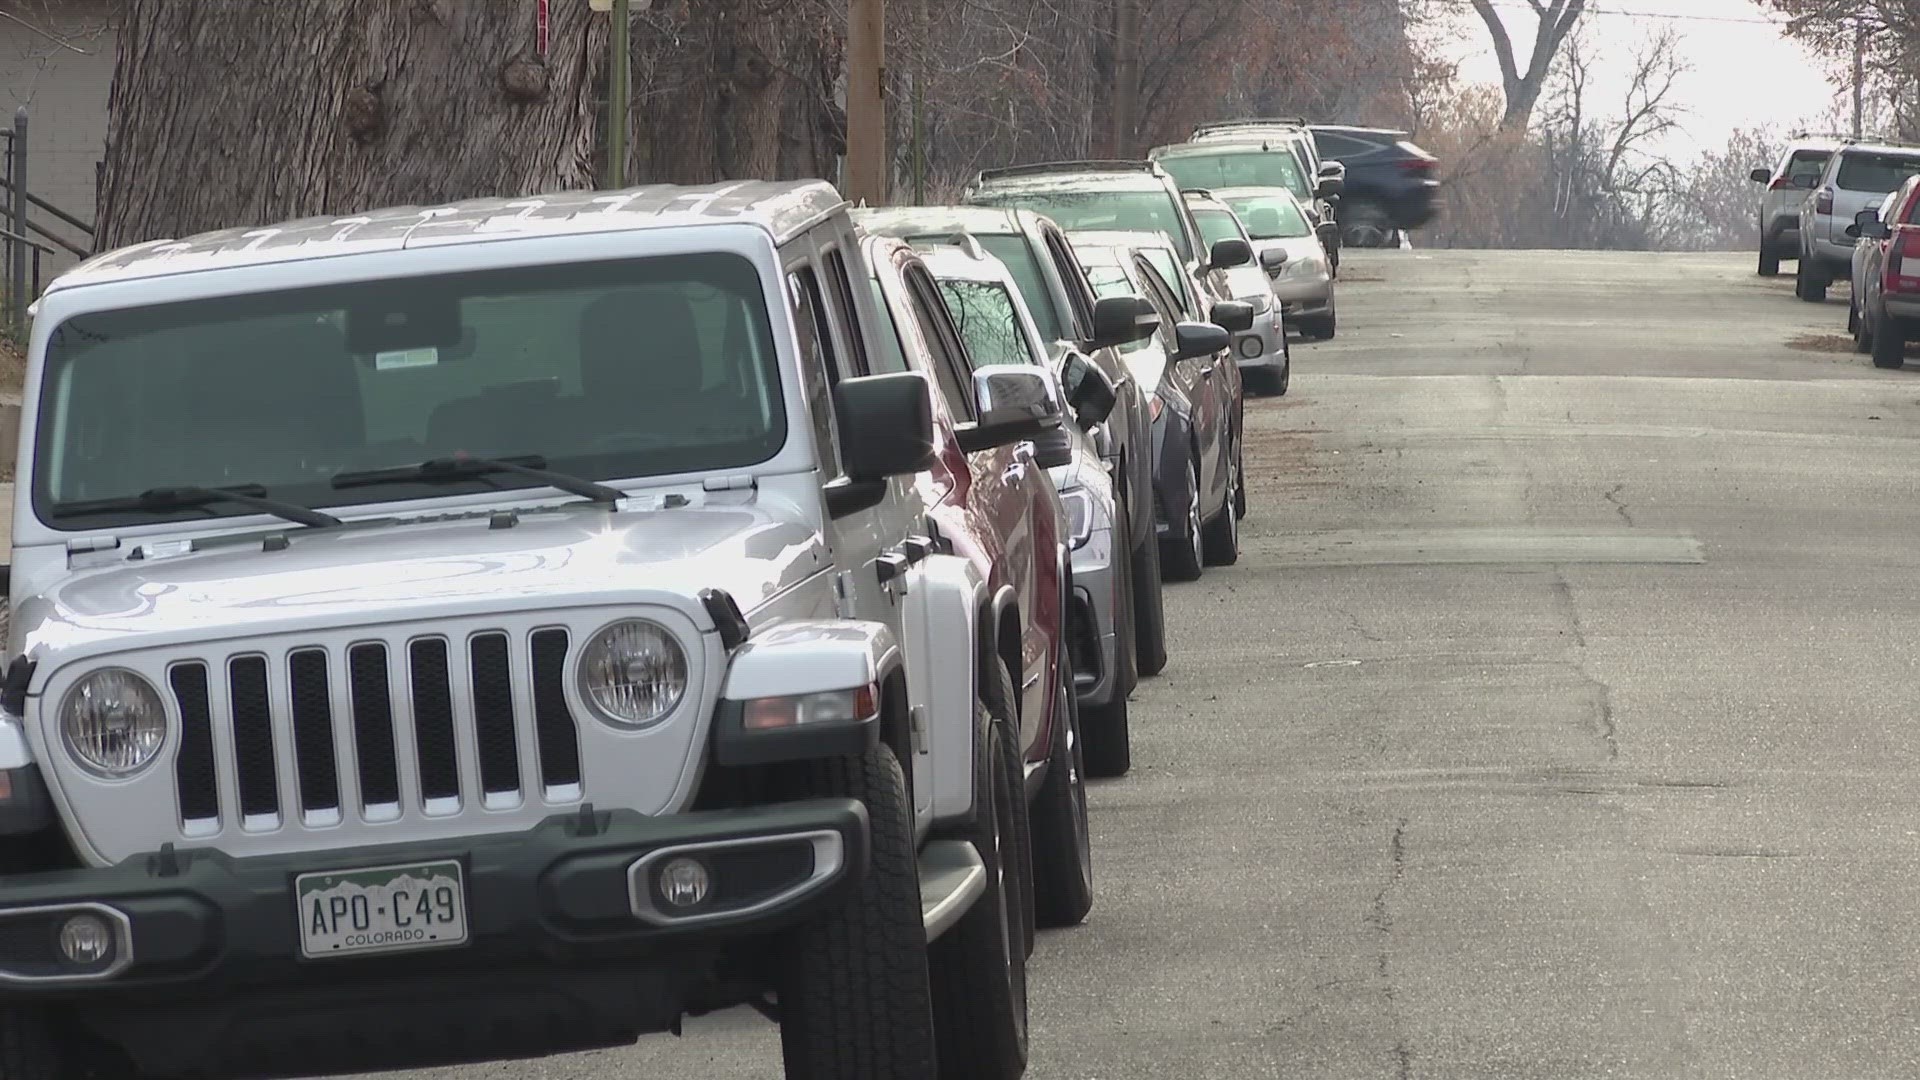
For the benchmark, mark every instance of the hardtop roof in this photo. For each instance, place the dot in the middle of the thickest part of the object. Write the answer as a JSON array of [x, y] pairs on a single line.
[[783, 209]]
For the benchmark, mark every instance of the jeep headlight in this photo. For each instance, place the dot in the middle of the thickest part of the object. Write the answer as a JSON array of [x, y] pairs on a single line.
[[633, 673], [113, 722]]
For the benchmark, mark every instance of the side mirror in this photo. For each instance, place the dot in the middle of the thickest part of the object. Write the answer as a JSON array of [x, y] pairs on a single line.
[[1088, 390], [1193, 339], [1272, 259], [1015, 402], [1873, 230], [1229, 253], [1760, 176], [1333, 169], [1234, 316], [886, 429], [1330, 187], [1122, 320]]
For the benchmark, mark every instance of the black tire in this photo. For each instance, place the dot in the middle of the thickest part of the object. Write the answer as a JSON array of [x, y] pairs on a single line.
[[1001, 700], [1149, 611], [1862, 333], [1769, 263], [1106, 744], [1890, 343], [29, 1049], [1220, 538], [1062, 850], [1853, 320], [1808, 283], [980, 967], [854, 994], [1180, 555], [1265, 381]]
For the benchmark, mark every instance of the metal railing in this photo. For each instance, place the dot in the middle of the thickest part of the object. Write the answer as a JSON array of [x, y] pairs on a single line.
[[22, 256]]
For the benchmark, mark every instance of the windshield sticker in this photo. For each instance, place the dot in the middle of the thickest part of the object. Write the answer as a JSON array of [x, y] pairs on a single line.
[[406, 358]]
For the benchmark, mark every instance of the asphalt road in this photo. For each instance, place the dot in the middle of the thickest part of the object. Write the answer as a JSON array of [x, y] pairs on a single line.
[[1558, 720]]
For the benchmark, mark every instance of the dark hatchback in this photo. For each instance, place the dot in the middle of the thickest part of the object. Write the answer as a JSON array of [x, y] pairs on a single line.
[[1391, 183]]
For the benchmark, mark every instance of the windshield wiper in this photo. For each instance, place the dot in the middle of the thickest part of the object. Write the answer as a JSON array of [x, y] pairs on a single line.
[[252, 496], [463, 467]]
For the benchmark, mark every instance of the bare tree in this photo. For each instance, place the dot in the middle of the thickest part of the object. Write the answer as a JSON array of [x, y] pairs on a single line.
[[1555, 20]]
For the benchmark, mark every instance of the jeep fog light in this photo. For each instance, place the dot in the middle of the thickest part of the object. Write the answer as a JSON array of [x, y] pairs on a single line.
[[685, 882], [633, 673], [113, 723], [828, 707], [86, 939]]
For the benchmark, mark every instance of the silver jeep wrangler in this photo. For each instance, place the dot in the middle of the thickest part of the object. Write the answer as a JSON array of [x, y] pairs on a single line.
[[487, 630]]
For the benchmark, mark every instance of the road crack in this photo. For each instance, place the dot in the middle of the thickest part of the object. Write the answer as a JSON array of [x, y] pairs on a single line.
[[1380, 918], [1619, 505], [1354, 624], [1599, 690]]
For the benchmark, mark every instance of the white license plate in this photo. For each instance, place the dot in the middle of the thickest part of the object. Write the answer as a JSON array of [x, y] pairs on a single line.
[[382, 909]]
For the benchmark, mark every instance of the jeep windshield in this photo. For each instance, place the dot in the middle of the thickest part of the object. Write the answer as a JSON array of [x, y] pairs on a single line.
[[1238, 168], [1099, 211], [604, 370]]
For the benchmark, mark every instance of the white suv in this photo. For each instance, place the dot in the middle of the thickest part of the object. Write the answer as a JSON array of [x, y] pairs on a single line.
[[1797, 172], [1857, 177], [493, 629]]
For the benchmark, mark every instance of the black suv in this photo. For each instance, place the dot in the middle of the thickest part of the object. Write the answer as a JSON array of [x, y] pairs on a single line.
[[1391, 183]]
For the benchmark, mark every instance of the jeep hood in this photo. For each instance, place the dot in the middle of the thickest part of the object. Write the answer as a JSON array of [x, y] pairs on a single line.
[[564, 558]]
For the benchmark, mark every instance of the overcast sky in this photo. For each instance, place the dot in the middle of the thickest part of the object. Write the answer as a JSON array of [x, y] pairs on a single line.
[[1745, 73]]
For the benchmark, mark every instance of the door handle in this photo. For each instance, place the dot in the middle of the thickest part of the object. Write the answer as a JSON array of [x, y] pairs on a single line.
[[1207, 372]]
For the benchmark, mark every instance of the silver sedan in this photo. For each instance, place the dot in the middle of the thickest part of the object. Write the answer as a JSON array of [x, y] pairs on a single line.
[[1302, 279]]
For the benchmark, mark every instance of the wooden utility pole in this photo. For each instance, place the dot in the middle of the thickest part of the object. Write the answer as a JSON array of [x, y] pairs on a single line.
[[1126, 76], [866, 174], [619, 98]]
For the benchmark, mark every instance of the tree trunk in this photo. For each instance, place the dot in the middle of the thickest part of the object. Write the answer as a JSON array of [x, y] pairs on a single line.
[[731, 89], [225, 114]]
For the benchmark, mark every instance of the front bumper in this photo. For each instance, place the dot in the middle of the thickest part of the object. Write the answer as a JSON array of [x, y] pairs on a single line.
[[1093, 619], [560, 954]]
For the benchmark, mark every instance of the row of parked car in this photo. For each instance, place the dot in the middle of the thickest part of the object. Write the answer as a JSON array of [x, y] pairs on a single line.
[[1844, 208], [513, 626]]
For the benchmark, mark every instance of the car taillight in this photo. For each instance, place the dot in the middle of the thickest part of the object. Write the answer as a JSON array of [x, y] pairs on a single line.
[[1824, 203], [1903, 255], [1417, 166]]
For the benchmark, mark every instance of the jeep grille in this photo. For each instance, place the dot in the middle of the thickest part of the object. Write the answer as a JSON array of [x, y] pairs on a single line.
[[295, 746]]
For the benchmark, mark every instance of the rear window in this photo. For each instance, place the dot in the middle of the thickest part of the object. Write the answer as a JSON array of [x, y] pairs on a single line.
[[1807, 163], [1875, 172]]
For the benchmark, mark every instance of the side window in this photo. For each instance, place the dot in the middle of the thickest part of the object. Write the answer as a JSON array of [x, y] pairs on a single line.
[[1078, 293], [948, 354], [816, 367], [840, 289]]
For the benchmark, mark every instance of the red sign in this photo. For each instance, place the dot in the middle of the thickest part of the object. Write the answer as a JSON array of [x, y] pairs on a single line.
[[544, 31]]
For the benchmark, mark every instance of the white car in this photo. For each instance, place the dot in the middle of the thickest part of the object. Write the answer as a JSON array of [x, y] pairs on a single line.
[[1788, 181], [1857, 177], [479, 631], [1285, 245]]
